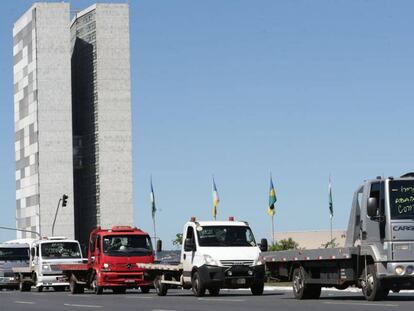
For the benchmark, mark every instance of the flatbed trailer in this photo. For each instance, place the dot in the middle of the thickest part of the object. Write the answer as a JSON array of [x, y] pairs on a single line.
[[378, 255]]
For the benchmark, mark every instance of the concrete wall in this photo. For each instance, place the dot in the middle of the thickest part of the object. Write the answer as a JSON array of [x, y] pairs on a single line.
[[114, 114], [43, 119], [313, 239]]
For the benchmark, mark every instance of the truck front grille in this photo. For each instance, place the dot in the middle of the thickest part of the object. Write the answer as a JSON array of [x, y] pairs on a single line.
[[230, 263]]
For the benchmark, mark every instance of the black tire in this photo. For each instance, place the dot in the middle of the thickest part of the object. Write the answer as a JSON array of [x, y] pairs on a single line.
[[25, 287], [214, 291], [119, 290], [301, 290], [371, 285], [160, 288], [98, 290], [257, 288], [198, 287], [74, 287], [39, 289], [59, 288], [145, 289]]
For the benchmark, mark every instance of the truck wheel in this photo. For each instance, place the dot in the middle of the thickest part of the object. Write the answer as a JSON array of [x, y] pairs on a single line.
[[25, 287], [160, 288], [74, 287], [371, 285], [59, 288], [257, 288], [301, 290], [214, 291], [98, 290], [39, 289], [198, 287], [145, 289]]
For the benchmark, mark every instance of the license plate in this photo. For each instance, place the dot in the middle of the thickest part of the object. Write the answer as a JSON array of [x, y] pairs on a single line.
[[241, 281]]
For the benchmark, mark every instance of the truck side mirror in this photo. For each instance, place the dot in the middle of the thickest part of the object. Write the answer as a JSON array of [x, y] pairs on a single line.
[[189, 245], [32, 252], [263, 245], [159, 246], [372, 207]]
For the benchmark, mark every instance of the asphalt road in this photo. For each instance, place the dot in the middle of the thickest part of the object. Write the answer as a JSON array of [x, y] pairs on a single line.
[[183, 300]]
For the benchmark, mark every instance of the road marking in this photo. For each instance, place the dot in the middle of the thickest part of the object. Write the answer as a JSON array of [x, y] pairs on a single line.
[[162, 310], [137, 297], [360, 304], [81, 306], [221, 299], [25, 302]]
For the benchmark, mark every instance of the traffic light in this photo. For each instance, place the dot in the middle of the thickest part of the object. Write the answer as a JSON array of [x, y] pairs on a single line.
[[64, 200]]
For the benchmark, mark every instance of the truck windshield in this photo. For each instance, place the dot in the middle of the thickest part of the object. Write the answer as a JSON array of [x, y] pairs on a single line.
[[225, 236], [402, 199], [11, 253], [55, 250], [127, 245]]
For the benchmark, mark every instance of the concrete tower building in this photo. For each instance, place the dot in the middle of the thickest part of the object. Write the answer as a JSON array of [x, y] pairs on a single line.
[[101, 105], [43, 119]]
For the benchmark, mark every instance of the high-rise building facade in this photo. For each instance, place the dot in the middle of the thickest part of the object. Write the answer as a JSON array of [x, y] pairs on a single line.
[[101, 102], [43, 119]]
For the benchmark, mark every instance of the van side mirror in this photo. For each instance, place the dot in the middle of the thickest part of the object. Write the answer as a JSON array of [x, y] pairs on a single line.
[[263, 245], [159, 246], [372, 207], [189, 245]]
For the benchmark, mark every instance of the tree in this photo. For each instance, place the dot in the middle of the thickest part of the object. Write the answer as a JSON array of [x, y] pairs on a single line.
[[178, 241], [330, 244], [284, 244]]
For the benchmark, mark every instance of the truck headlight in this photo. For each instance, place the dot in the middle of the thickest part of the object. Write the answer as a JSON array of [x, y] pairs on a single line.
[[211, 261], [46, 267], [106, 267], [409, 270], [260, 261], [399, 270]]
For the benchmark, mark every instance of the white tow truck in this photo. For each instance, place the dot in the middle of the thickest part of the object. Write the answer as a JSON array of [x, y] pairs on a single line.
[[45, 255], [214, 255]]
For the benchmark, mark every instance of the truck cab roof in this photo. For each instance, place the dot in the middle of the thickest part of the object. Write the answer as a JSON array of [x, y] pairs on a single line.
[[219, 223]]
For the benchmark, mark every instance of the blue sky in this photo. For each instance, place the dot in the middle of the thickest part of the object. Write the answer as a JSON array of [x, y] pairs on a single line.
[[237, 89]]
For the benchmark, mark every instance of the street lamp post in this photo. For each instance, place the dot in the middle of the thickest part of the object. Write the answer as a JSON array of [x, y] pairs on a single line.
[[64, 200], [22, 230]]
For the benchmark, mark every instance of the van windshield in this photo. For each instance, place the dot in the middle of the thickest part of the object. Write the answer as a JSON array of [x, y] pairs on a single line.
[[225, 236], [54, 250], [11, 253], [402, 199], [127, 245]]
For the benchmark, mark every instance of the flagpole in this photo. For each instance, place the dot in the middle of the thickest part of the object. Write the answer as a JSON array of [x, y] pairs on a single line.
[[273, 229], [331, 232], [155, 234]]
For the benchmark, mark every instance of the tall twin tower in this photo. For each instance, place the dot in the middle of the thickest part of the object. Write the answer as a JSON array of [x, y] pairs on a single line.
[[72, 112]]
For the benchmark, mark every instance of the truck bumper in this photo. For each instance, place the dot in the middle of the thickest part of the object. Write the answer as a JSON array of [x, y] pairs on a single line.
[[387, 272], [122, 279], [9, 282], [231, 277], [51, 280]]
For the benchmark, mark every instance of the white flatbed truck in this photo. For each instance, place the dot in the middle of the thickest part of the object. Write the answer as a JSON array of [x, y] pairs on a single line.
[[214, 255]]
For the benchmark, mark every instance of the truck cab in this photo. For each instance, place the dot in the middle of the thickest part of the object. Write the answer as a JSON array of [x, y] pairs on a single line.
[[113, 255], [45, 254], [12, 255], [382, 223], [221, 254]]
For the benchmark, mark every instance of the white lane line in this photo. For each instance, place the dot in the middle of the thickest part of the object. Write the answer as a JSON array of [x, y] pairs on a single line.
[[137, 297], [221, 299], [81, 306], [81, 295], [162, 310], [25, 302], [360, 304]]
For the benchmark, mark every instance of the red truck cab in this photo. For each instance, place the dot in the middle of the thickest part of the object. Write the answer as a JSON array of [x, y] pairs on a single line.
[[113, 255]]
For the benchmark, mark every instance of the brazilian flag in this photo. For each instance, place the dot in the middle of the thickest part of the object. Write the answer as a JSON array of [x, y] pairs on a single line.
[[272, 199]]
